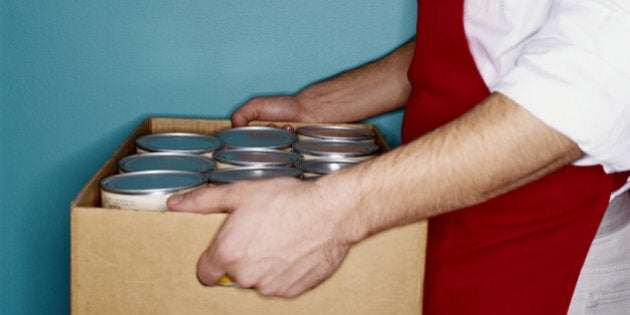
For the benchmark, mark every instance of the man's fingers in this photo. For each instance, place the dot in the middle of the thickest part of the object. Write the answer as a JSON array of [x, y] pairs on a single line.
[[202, 200], [274, 108], [248, 112], [207, 272], [240, 118], [288, 127]]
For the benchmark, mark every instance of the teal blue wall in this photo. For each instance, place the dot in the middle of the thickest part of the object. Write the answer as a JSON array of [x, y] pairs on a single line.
[[78, 76]]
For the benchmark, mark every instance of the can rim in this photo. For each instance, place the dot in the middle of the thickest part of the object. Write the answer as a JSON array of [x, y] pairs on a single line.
[[370, 148], [105, 183], [214, 139], [310, 166], [209, 164], [290, 137], [292, 157], [359, 133], [292, 172]]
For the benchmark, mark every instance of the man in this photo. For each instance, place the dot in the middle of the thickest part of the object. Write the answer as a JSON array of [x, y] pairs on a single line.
[[514, 147]]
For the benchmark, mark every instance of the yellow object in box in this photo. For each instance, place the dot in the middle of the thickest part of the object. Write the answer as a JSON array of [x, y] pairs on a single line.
[[226, 281], [144, 262]]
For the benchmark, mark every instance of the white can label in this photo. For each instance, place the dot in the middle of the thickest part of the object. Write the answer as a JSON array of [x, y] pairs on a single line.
[[155, 202]]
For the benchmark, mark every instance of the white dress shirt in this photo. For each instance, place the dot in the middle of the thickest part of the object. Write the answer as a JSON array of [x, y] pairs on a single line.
[[567, 62]]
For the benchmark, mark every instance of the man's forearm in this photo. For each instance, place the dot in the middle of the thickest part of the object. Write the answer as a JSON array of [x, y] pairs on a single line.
[[285, 236], [496, 147], [369, 90]]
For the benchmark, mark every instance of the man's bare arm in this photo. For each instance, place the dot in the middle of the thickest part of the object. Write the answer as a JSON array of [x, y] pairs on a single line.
[[357, 94], [494, 148], [285, 236]]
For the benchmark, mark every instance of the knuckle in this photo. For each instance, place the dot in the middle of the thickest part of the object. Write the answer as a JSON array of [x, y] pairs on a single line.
[[253, 104], [195, 202], [235, 191], [228, 256], [196, 197]]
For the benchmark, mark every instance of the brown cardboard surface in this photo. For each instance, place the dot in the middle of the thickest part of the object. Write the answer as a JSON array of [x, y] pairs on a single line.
[[142, 262]]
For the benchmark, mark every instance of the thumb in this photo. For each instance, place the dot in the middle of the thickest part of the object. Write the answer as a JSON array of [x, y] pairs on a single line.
[[248, 112], [269, 108], [201, 200]]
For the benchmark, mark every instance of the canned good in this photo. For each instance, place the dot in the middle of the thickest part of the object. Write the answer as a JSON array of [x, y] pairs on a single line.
[[166, 161], [317, 168], [235, 174], [335, 133], [147, 190], [335, 150], [255, 157], [257, 137], [178, 142]]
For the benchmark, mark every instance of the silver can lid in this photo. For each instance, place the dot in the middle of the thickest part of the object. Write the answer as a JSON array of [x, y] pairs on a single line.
[[231, 175], [180, 142], [336, 133], [323, 167], [166, 161], [335, 149], [257, 157], [256, 137], [152, 182]]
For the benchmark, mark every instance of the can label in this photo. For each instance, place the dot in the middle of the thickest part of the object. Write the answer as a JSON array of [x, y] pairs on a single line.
[[154, 202]]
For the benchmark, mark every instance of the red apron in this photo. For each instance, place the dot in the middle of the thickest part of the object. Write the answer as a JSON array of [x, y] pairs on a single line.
[[520, 253]]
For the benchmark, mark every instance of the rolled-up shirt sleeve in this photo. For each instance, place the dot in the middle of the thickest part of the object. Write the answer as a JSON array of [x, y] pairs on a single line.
[[574, 75]]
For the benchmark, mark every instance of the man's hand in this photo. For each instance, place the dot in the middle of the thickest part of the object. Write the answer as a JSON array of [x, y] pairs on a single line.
[[282, 237], [270, 108], [354, 95]]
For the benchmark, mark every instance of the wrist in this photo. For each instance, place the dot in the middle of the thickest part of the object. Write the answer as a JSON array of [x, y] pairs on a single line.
[[312, 101], [341, 207]]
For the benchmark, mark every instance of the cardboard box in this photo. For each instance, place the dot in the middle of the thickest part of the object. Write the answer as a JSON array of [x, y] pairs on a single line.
[[143, 262]]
